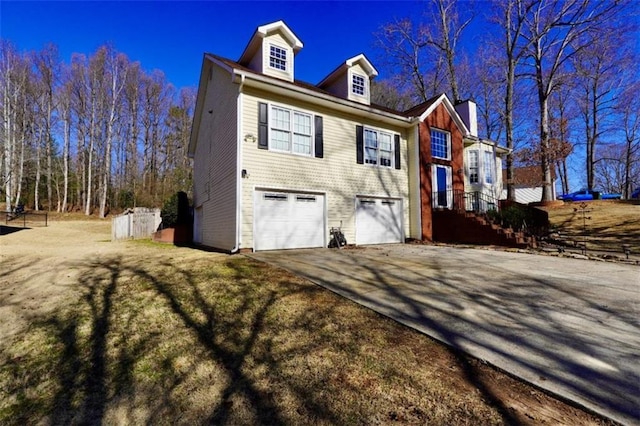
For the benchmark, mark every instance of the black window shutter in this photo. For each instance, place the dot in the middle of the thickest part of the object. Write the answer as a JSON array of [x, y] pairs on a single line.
[[319, 153], [360, 144], [396, 149], [263, 123]]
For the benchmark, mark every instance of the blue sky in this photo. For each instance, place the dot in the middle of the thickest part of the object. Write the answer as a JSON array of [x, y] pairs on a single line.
[[173, 35]]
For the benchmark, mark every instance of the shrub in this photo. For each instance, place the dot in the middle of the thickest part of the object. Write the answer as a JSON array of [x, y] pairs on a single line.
[[125, 199], [176, 210]]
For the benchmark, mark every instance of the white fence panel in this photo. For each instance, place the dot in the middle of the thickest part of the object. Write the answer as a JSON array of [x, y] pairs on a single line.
[[141, 223]]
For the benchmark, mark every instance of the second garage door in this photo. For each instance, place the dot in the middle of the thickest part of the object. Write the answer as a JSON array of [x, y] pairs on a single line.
[[286, 220], [378, 220]]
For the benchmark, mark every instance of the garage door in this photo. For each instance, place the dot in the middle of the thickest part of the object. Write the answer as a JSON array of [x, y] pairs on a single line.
[[285, 220], [378, 221]]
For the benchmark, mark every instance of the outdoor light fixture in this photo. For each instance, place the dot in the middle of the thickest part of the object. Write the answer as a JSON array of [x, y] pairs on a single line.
[[245, 174], [249, 138]]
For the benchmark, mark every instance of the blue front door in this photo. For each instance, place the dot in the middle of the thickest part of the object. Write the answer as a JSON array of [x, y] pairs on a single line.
[[441, 185]]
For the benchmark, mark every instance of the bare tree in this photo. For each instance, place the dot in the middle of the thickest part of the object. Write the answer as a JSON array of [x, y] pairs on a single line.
[[555, 32], [444, 37], [598, 68], [424, 54], [47, 64], [510, 16], [389, 93], [107, 106], [628, 107], [116, 65], [404, 46]]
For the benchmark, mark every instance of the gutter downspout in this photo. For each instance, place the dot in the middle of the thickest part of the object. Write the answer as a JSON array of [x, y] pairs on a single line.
[[236, 248], [418, 184]]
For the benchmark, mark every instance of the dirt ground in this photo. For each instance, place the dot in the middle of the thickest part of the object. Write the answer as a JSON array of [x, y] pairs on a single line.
[[40, 273]]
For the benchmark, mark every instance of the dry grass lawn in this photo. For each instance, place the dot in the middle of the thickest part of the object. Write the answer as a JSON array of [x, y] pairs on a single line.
[[97, 332], [610, 225]]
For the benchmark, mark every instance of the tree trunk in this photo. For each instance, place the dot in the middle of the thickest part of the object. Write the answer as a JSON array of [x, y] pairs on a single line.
[[36, 191], [511, 189], [65, 162]]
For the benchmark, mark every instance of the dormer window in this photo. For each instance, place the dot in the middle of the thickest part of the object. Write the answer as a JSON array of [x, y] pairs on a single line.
[[358, 85], [278, 58]]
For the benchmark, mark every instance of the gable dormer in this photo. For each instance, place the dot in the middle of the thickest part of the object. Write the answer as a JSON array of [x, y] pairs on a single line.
[[351, 80], [271, 51]]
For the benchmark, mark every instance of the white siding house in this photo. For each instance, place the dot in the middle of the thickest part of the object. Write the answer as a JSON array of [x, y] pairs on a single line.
[[277, 162]]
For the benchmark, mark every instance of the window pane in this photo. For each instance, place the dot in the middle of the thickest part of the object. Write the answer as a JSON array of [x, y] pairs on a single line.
[[280, 118], [302, 123], [278, 58], [370, 156], [280, 140], [439, 144], [357, 84], [488, 167], [385, 141], [370, 139], [385, 158], [302, 144], [473, 166]]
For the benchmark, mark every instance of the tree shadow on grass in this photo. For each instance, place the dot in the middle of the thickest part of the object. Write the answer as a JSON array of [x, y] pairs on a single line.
[[113, 354], [514, 311]]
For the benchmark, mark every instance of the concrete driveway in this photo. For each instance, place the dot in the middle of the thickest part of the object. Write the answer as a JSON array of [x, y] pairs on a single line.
[[566, 325]]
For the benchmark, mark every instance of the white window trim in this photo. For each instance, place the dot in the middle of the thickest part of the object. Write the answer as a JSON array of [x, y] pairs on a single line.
[[364, 148], [448, 185], [292, 112], [287, 61], [448, 134], [477, 167], [366, 85], [355, 75], [488, 166]]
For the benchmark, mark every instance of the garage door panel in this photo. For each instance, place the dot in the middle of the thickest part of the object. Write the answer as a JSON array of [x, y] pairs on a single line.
[[378, 221], [288, 220]]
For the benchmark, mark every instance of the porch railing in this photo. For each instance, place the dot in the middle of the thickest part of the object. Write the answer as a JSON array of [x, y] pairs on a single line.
[[461, 201]]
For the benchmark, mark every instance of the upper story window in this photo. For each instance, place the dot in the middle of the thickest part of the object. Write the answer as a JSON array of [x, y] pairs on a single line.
[[440, 147], [290, 131], [278, 57], [473, 166], [378, 148], [358, 85], [488, 167]]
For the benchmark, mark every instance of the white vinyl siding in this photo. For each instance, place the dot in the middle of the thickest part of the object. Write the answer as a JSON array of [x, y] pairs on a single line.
[[215, 183], [277, 57], [337, 174], [357, 87]]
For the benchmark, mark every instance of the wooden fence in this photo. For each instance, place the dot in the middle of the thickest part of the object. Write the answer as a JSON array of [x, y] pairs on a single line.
[[136, 223]]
